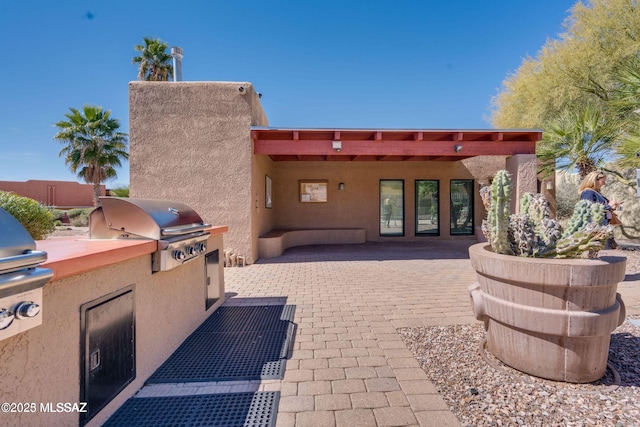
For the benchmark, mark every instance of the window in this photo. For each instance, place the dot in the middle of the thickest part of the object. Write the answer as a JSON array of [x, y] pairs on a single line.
[[427, 207], [461, 196], [392, 207]]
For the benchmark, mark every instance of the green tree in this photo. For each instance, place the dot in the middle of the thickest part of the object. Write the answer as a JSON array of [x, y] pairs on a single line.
[[625, 101], [580, 138], [587, 71], [574, 69], [154, 64], [94, 146]]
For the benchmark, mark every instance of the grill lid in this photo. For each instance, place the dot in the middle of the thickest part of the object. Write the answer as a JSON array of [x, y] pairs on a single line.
[[149, 218], [17, 247]]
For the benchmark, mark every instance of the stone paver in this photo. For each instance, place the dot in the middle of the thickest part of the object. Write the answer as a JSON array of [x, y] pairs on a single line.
[[349, 366]]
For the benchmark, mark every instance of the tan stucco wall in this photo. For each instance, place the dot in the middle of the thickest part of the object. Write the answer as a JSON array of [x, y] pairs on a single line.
[[191, 142], [524, 175], [263, 217], [43, 363], [358, 205]]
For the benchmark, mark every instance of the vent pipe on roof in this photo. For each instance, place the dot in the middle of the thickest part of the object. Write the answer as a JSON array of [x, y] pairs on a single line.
[[176, 52]]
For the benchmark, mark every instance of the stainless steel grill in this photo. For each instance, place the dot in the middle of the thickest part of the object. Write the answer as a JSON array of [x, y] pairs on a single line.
[[21, 280], [179, 230]]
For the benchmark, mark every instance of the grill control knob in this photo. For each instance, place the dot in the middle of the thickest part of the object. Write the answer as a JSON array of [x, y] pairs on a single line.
[[27, 309], [179, 255], [202, 247], [191, 250], [6, 318]]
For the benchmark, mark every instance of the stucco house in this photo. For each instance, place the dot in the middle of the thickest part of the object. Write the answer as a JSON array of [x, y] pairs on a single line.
[[209, 145]]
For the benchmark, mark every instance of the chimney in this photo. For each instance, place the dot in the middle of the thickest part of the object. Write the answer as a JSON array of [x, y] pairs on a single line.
[[176, 52]]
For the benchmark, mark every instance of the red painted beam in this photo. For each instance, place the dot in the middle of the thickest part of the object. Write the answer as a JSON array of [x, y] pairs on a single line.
[[395, 135], [395, 148]]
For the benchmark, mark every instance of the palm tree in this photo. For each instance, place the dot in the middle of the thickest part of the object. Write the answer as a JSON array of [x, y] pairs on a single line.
[[581, 138], [625, 101], [94, 147], [154, 62]]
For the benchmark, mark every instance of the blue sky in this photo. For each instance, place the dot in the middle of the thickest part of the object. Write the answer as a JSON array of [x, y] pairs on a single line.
[[412, 64]]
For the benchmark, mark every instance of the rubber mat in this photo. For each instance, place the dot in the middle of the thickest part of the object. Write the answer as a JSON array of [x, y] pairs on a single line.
[[233, 344], [231, 409]]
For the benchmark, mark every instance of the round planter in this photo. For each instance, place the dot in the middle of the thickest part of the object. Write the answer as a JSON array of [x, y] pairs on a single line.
[[551, 318]]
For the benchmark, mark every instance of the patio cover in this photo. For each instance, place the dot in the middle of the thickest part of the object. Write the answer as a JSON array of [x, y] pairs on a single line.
[[391, 144]]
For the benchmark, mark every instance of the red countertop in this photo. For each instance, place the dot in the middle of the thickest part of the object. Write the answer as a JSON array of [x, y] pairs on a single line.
[[69, 256]]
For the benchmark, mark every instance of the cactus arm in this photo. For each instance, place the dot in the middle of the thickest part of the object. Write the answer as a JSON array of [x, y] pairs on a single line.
[[525, 203], [598, 213], [498, 217]]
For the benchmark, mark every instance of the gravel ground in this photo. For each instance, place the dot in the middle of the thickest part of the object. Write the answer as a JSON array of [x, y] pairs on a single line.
[[482, 391], [67, 231], [632, 252]]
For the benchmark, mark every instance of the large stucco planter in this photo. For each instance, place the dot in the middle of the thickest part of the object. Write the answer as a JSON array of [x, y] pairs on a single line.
[[551, 318]]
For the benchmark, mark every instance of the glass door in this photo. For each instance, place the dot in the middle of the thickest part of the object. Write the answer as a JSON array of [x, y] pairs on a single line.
[[392, 207], [461, 196], [427, 207]]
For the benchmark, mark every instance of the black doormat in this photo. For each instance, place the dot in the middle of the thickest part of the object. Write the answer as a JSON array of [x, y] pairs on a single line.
[[231, 409], [233, 344]]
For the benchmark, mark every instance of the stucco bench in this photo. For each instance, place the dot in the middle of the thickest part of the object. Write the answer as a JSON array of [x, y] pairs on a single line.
[[273, 243]]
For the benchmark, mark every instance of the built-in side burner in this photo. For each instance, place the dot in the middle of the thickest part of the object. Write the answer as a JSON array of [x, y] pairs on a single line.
[[21, 280]]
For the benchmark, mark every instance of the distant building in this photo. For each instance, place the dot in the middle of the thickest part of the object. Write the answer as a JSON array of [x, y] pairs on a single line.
[[57, 194]]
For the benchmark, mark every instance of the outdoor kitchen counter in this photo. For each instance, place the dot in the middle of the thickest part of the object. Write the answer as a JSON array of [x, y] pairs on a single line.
[[71, 255]]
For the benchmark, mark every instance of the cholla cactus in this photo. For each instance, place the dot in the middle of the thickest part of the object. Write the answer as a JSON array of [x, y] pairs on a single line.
[[498, 216], [533, 233]]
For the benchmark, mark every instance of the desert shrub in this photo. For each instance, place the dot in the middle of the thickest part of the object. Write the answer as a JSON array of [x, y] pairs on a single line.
[[58, 215], [120, 192], [79, 217], [566, 194], [36, 218]]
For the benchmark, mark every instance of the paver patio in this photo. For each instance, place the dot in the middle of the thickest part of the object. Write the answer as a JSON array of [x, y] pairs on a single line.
[[349, 367]]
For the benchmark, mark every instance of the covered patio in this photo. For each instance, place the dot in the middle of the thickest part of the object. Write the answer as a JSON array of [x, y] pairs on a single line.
[[212, 143]]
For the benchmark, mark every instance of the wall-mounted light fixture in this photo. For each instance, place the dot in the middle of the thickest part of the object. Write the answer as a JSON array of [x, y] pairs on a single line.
[[457, 148], [549, 185], [337, 145], [341, 186]]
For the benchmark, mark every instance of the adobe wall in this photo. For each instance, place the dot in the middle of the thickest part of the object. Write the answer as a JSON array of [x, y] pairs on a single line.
[[191, 142], [524, 176], [263, 216], [358, 205], [63, 194]]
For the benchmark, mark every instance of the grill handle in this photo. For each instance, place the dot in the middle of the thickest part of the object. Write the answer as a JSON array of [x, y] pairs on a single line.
[[177, 231], [28, 259]]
